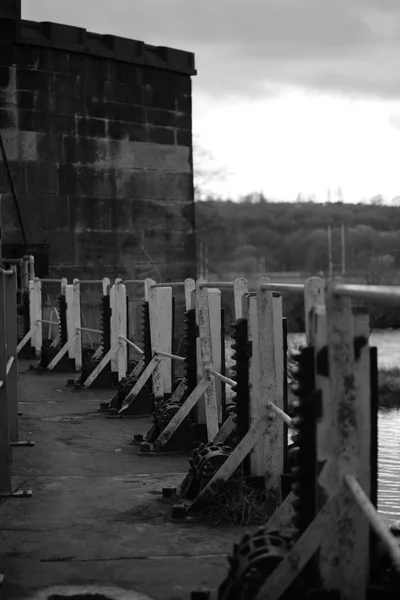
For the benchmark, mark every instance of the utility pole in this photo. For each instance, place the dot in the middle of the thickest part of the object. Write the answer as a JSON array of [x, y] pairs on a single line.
[[343, 248], [330, 253]]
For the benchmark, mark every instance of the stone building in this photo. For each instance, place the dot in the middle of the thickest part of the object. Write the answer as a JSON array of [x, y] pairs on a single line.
[[97, 134]]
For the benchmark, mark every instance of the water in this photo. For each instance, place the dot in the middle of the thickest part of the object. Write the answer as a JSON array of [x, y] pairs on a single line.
[[388, 344]]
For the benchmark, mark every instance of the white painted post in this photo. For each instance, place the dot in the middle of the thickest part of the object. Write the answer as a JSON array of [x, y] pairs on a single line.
[[106, 285], [35, 302], [122, 327], [274, 439], [190, 287], [240, 288], [314, 296], [69, 297], [160, 310], [113, 330], [348, 560], [76, 309], [64, 283], [206, 339]]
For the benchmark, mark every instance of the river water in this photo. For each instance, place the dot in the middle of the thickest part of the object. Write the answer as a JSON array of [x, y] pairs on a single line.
[[388, 344]]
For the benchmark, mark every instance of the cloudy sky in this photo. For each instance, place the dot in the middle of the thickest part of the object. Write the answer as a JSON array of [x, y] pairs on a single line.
[[291, 95]]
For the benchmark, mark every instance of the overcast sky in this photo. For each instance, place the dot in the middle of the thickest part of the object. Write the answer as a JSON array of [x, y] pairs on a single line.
[[291, 95]]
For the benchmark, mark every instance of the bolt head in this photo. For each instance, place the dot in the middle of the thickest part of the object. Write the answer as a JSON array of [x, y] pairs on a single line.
[[145, 447], [178, 511], [138, 437], [169, 492]]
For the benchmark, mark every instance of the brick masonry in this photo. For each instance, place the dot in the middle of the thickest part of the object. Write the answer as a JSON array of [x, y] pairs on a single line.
[[98, 134]]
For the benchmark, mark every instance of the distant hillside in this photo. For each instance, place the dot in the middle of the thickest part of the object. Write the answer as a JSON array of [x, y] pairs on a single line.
[[293, 236], [249, 238]]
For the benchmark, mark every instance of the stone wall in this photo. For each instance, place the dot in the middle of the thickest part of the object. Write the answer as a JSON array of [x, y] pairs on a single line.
[[98, 135]]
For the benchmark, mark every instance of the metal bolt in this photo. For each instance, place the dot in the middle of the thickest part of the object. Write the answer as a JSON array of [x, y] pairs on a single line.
[[138, 437], [169, 492], [200, 594], [145, 447], [178, 511]]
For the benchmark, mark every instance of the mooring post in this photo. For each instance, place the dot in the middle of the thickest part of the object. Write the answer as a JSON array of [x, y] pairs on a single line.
[[206, 340], [76, 313], [161, 318], [35, 304], [121, 328], [349, 377], [274, 437]]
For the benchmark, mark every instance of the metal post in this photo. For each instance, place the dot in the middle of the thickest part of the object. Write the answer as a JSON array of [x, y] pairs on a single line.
[[5, 452], [343, 248], [330, 253], [10, 299]]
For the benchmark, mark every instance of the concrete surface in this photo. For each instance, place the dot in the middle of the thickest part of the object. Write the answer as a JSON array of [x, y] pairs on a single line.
[[95, 517]]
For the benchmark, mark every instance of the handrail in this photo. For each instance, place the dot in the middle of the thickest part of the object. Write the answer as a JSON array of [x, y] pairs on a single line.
[[374, 519], [283, 287], [226, 380], [168, 355], [280, 413], [215, 284], [384, 293], [124, 339]]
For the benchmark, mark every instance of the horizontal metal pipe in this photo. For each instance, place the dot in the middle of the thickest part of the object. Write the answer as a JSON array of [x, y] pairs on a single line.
[[221, 377], [374, 519], [90, 281], [283, 287], [89, 330], [7, 271], [278, 411], [12, 261], [50, 280], [168, 355], [47, 322], [171, 284], [121, 337], [216, 284], [138, 281], [10, 363], [377, 293]]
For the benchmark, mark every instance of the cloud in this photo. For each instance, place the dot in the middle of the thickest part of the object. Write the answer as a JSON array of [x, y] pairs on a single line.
[[251, 47]]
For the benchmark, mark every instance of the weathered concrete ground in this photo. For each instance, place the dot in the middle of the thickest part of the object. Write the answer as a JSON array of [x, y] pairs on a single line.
[[95, 516]]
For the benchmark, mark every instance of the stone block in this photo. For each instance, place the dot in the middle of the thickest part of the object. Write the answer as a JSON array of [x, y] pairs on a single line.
[[161, 135], [163, 158], [33, 57], [17, 169], [10, 9], [80, 150], [184, 103], [33, 79], [42, 178], [88, 127], [183, 121], [184, 138], [5, 76], [26, 99], [49, 147], [139, 133], [65, 83], [123, 93], [45, 211], [161, 118], [8, 118], [6, 54], [34, 120]]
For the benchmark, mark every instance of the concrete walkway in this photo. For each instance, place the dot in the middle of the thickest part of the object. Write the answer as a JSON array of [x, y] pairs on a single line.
[[95, 517]]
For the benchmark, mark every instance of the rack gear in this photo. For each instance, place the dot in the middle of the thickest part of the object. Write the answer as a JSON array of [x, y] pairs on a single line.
[[303, 453], [49, 350], [23, 310], [253, 560], [241, 398]]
